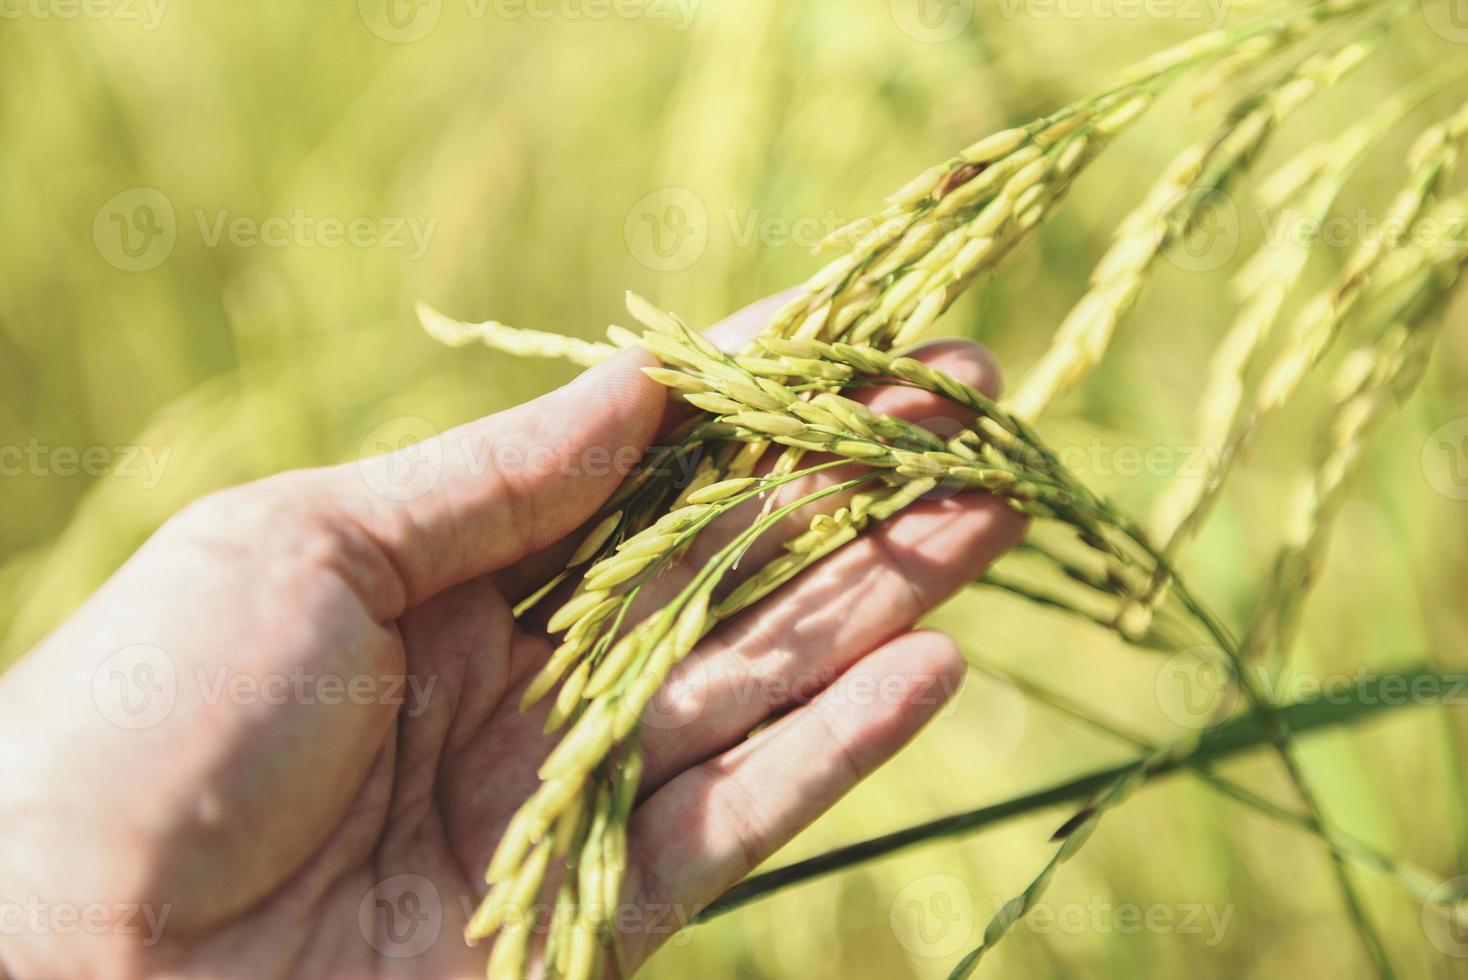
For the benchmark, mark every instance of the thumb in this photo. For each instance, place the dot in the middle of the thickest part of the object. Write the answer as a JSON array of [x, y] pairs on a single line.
[[486, 494]]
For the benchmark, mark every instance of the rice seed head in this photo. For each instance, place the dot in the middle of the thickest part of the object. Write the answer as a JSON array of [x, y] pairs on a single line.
[[510, 853], [548, 802], [556, 667], [568, 698], [692, 622], [629, 780], [991, 148], [723, 490], [680, 520], [715, 403], [676, 380], [510, 340], [584, 952], [858, 449], [488, 915], [755, 397], [568, 825], [623, 654], [577, 608], [616, 570], [639, 695], [768, 423], [584, 746], [919, 188], [623, 338], [853, 414], [599, 536]]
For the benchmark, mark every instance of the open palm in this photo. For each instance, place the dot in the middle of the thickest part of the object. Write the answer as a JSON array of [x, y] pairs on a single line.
[[284, 739]]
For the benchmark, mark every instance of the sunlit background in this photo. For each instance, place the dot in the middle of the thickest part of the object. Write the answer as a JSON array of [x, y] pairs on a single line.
[[217, 218]]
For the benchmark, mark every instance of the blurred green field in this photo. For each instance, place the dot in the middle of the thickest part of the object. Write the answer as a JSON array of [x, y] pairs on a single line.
[[218, 218]]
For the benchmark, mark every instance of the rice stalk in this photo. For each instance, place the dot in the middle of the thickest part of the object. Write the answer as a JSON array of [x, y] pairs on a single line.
[[1073, 835], [1368, 386], [1184, 187], [1411, 879], [1223, 421], [1227, 741], [902, 269]]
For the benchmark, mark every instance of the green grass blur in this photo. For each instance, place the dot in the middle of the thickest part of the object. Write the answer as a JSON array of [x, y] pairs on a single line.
[[217, 219]]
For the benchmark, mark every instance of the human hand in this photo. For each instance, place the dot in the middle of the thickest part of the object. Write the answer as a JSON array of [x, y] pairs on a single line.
[[284, 738]]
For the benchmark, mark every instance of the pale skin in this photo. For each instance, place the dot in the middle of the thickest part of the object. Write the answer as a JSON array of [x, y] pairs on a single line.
[[270, 821]]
